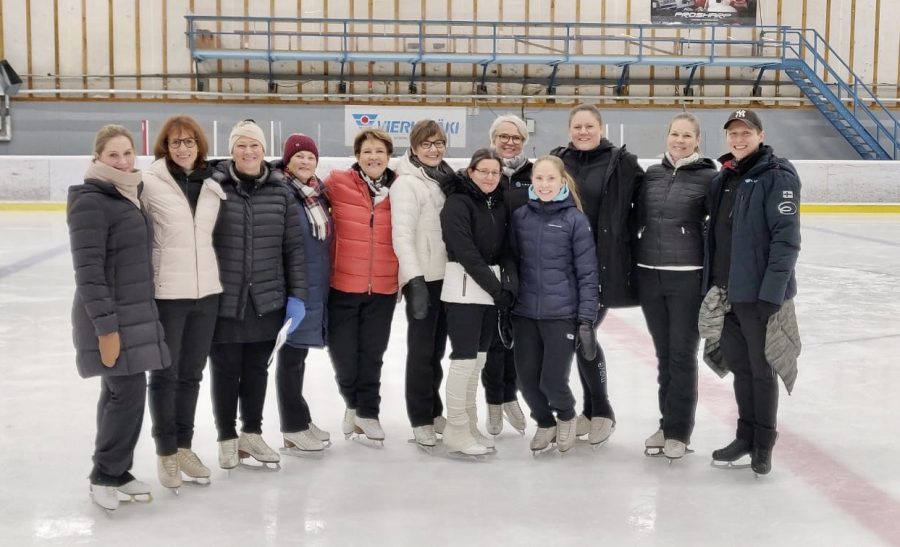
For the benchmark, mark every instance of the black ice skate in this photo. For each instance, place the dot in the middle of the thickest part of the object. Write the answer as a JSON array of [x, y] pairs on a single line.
[[761, 461], [727, 457]]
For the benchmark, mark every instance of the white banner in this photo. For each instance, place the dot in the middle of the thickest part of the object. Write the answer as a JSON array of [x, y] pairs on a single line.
[[398, 121]]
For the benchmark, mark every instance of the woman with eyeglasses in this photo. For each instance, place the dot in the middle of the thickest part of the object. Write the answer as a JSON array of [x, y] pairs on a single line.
[[262, 262], [508, 137], [608, 178], [183, 202], [417, 197], [473, 222]]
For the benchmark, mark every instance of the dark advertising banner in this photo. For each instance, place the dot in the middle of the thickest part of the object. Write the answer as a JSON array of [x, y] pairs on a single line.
[[688, 12]]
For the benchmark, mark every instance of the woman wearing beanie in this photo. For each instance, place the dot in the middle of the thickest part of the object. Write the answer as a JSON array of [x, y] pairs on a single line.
[[417, 197], [259, 243], [115, 324], [183, 203], [672, 210], [298, 163], [363, 279], [508, 137]]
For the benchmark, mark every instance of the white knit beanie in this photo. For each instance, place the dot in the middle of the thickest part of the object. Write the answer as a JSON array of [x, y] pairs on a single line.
[[249, 129]]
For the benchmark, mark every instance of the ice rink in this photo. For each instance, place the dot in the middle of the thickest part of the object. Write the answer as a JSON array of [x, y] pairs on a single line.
[[835, 481]]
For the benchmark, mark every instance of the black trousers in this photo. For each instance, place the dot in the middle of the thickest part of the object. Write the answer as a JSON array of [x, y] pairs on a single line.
[[755, 383], [292, 407], [499, 374], [671, 301], [239, 374], [471, 328], [544, 351], [426, 342], [595, 402], [189, 325], [120, 413], [359, 326]]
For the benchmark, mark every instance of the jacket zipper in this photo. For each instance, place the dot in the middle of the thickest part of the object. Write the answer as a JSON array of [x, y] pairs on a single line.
[[371, 245]]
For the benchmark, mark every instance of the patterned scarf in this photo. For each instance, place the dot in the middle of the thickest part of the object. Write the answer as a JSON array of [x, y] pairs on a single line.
[[314, 205], [442, 174], [378, 189], [511, 165], [683, 161]]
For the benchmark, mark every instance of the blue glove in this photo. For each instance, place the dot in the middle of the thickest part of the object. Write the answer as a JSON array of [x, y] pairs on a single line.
[[296, 311]]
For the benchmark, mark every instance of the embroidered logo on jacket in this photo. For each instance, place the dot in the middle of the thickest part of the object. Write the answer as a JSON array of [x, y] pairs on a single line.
[[787, 208]]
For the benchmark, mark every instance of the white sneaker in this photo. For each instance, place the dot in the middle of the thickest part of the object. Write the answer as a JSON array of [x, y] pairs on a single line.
[[136, 490], [439, 423], [653, 446], [252, 445], [228, 454], [494, 424], [191, 465], [601, 429], [424, 435], [320, 434], [674, 449], [371, 428], [515, 416], [303, 440], [542, 438], [565, 434], [105, 496], [582, 425], [168, 471], [348, 426]]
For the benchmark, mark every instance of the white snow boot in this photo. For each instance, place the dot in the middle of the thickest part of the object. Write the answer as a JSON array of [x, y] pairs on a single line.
[[303, 441], [252, 445], [169, 472], [601, 429], [190, 465], [565, 434], [457, 433], [494, 424], [228, 454], [515, 416], [106, 497], [654, 444]]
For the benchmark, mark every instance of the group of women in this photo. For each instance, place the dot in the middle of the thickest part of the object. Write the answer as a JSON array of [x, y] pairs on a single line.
[[515, 262]]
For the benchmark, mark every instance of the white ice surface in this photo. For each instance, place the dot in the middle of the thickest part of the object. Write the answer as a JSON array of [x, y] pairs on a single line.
[[836, 477]]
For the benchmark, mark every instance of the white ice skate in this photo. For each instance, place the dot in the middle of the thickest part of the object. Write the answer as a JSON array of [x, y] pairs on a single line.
[[228, 454], [582, 425], [471, 409], [458, 438], [348, 426], [105, 496], [439, 423], [543, 438], [675, 450], [302, 443], [252, 445], [514, 415], [424, 437], [136, 491], [565, 434], [169, 473], [654, 444], [601, 429], [494, 423], [371, 429], [192, 467], [320, 434]]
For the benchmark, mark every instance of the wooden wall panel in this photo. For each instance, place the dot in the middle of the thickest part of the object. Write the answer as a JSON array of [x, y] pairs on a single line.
[[177, 54], [863, 44], [889, 51], [70, 43]]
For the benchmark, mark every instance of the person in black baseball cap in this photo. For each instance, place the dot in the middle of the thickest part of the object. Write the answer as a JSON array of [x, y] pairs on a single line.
[[752, 246]]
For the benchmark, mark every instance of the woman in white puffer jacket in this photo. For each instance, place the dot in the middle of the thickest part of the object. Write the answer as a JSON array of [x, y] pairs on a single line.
[[417, 197]]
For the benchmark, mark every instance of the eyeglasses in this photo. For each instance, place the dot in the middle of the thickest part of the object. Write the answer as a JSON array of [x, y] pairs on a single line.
[[438, 145], [188, 143], [515, 139], [488, 173]]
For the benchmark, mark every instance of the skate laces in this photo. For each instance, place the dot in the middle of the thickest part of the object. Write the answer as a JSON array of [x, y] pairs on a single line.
[[170, 464], [191, 458]]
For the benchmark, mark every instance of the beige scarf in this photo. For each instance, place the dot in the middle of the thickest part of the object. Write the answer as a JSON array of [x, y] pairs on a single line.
[[126, 183]]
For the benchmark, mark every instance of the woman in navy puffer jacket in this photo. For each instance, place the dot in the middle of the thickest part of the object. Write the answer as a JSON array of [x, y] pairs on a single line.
[[556, 306]]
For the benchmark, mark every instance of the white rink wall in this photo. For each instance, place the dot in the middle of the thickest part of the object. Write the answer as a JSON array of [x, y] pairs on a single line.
[[46, 178]]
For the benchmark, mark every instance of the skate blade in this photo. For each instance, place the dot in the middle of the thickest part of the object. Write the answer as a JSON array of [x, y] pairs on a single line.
[[306, 454], [196, 481], [462, 456], [256, 465], [729, 465], [365, 441], [653, 451], [423, 447], [671, 459], [135, 498]]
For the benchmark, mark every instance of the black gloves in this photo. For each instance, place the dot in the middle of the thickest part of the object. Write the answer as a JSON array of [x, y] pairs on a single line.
[[504, 328], [505, 299], [766, 309], [417, 295], [586, 340]]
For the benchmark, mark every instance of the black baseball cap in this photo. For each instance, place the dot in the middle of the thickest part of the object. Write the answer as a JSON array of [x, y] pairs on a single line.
[[747, 116]]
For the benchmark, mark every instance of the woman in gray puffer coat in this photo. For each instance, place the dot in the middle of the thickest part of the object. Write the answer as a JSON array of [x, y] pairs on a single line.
[[115, 323]]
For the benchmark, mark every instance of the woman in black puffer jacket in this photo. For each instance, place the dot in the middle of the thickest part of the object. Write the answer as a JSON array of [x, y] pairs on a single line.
[[262, 266], [115, 323], [671, 211]]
